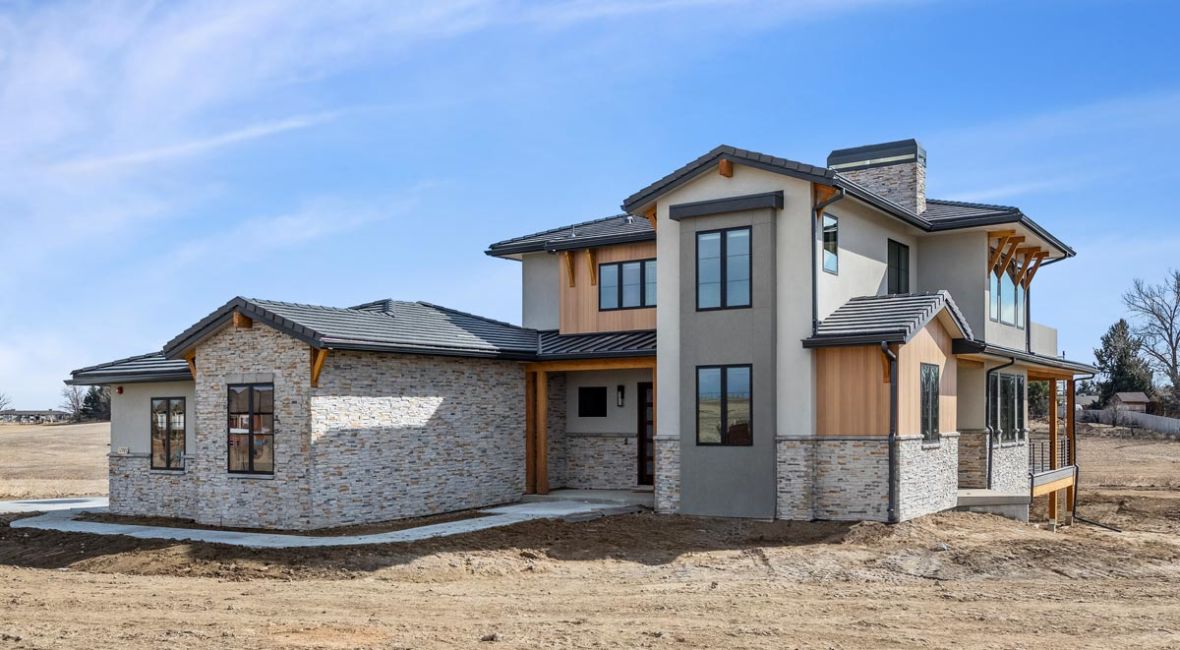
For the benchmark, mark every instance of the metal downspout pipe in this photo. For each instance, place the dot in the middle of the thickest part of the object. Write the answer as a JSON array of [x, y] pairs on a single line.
[[987, 390], [892, 514]]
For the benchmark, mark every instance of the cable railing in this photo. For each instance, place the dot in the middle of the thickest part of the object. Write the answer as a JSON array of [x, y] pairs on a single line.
[[1039, 456]]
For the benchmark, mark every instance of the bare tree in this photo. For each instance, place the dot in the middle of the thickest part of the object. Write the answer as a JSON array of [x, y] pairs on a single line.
[[5, 401], [1155, 309], [72, 401]]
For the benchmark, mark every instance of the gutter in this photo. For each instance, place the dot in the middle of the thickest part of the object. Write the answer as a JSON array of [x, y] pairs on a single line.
[[987, 383], [819, 211], [892, 512]]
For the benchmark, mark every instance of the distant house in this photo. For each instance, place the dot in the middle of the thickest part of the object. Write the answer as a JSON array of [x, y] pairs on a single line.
[[1085, 401], [33, 417], [1130, 401]]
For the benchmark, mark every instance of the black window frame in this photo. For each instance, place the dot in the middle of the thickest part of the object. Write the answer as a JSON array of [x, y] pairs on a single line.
[[723, 295], [929, 401], [583, 391], [168, 434], [995, 415], [724, 400], [251, 413], [823, 243], [643, 303], [893, 272]]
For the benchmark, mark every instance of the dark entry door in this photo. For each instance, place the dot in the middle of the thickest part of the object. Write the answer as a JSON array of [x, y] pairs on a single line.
[[647, 432]]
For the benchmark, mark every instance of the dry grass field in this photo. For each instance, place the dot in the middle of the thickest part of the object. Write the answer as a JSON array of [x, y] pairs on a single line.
[[639, 581], [43, 461]]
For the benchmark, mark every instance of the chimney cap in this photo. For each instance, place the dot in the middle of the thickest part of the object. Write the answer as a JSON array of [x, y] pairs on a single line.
[[877, 155]]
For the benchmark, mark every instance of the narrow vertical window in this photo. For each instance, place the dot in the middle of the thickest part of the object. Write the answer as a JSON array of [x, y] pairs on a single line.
[[1020, 426], [724, 405], [1019, 297], [250, 429], [168, 429], [723, 269], [649, 283], [831, 228], [608, 286], [993, 295], [1007, 299], [898, 270], [929, 406]]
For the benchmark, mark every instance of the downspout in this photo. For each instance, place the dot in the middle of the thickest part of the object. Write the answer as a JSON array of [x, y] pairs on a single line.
[[987, 390], [819, 212], [889, 354]]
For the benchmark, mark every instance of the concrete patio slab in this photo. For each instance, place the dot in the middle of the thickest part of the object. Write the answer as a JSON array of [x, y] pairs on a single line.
[[47, 505]]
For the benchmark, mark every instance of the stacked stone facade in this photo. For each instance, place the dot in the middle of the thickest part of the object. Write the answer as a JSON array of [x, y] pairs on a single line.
[[928, 475], [601, 462], [973, 458], [136, 489], [903, 183], [1010, 466], [667, 474]]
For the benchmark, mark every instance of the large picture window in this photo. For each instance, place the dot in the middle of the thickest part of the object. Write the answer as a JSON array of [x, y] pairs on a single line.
[[1006, 416], [929, 380], [898, 268], [250, 429], [723, 269], [168, 429], [627, 285], [723, 405], [831, 227]]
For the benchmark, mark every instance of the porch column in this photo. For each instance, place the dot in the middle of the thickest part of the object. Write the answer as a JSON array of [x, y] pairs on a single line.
[[1053, 445], [542, 432], [530, 432]]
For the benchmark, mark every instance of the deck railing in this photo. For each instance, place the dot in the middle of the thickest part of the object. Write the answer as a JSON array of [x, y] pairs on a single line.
[[1040, 458]]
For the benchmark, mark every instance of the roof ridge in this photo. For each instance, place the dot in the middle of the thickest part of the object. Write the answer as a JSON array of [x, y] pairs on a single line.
[[555, 230], [467, 313]]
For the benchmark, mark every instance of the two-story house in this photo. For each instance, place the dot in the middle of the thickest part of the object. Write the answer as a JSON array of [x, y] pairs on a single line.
[[752, 337]]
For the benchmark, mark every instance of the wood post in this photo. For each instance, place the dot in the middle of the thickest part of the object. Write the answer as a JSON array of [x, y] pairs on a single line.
[[530, 432], [542, 432], [1053, 444], [317, 365]]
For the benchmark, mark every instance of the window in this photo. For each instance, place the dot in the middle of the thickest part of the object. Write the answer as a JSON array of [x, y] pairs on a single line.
[[627, 285], [1007, 299], [831, 243], [250, 429], [167, 433], [1006, 417], [723, 269], [899, 268], [929, 380], [723, 405], [592, 401]]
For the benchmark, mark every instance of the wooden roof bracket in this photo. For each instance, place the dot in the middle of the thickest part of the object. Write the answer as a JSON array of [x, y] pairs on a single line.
[[1013, 242], [650, 215], [1033, 271], [1031, 254], [1003, 236], [592, 257], [190, 358], [725, 167], [318, 356], [569, 267]]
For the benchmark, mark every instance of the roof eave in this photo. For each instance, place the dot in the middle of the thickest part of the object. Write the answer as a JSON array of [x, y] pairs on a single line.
[[1016, 217], [126, 378]]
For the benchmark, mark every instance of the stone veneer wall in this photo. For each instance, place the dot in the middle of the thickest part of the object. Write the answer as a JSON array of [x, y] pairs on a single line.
[[136, 489], [558, 439], [397, 436], [928, 475], [1010, 467], [903, 183], [667, 475], [259, 354], [601, 462], [973, 458]]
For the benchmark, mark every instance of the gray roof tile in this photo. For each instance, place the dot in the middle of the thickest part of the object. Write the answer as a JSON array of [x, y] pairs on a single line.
[[143, 367], [620, 228], [610, 344], [893, 318]]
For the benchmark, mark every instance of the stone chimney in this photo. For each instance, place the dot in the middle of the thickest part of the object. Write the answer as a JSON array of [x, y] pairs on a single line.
[[894, 170]]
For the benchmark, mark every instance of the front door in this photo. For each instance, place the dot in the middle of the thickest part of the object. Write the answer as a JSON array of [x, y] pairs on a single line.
[[647, 432]]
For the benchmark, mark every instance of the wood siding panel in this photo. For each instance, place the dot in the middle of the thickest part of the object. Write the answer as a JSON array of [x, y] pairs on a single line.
[[931, 345], [579, 303], [851, 398]]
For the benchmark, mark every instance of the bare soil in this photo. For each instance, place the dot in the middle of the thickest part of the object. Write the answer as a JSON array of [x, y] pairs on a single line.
[[46, 461], [638, 581], [338, 531]]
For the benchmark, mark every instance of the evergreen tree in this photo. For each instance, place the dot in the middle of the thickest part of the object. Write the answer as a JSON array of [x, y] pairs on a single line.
[[96, 405], [1123, 368]]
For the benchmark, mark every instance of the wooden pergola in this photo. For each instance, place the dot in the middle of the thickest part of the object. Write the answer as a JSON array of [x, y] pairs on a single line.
[[536, 406]]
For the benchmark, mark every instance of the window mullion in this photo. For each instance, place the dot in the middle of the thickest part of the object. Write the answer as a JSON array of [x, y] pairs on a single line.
[[250, 428], [723, 400], [723, 290]]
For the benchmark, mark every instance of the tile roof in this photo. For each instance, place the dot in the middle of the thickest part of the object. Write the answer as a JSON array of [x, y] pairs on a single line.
[[621, 228], [1133, 397], [893, 318], [152, 366], [942, 210], [610, 344]]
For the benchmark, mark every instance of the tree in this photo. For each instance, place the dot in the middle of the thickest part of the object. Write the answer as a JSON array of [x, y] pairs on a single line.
[[1122, 367], [1038, 399], [5, 401], [1087, 387], [1155, 309], [72, 399], [96, 405]]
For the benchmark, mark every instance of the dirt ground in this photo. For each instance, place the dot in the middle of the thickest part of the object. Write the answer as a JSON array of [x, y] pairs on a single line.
[[45, 461], [950, 580]]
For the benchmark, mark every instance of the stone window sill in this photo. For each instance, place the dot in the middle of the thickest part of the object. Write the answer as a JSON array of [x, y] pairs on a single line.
[[932, 445], [251, 477], [167, 472]]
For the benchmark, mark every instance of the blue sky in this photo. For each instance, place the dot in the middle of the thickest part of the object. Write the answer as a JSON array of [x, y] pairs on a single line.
[[157, 159]]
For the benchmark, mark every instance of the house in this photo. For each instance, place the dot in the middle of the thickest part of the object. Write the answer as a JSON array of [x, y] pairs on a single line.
[[1133, 401], [751, 337], [47, 416], [1086, 401]]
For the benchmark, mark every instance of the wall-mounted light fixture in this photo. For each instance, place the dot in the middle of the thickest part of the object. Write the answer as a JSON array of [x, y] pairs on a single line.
[[620, 393], [118, 390]]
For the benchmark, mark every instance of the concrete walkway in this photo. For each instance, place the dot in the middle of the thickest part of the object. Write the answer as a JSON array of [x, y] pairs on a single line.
[[46, 505], [64, 520]]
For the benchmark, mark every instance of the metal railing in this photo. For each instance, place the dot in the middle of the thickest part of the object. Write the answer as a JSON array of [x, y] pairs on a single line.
[[1039, 455]]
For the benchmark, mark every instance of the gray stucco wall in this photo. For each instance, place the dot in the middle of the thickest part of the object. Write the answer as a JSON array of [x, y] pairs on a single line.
[[540, 300], [131, 419], [863, 242], [958, 264], [729, 480]]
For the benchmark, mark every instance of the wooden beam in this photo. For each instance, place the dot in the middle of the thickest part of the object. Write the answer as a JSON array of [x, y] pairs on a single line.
[[650, 215], [1013, 242], [530, 432], [726, 167], [1051, 489], [1033, 253], [542, 444], [621, 363], [242, 321], [823, 193], [1054, 461], [317, 365], [569, 267], [191, 359], [885, 366], [592, 256], [997, 234], [1033, 270], [994, 258]]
